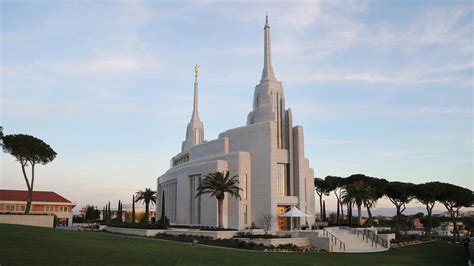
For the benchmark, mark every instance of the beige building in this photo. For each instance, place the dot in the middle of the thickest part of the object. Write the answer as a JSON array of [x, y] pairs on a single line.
[[42, 203], [267, 154]]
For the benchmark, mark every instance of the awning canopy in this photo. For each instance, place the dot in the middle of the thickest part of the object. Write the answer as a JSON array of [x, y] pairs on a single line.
[[294, 212]]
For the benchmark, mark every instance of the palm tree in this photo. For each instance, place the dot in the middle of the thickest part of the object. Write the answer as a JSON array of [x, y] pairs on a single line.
[[356, 192], [217, 184], [148, 196]]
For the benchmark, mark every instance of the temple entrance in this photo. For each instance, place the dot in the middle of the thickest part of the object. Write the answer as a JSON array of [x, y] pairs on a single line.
[[283, 222]]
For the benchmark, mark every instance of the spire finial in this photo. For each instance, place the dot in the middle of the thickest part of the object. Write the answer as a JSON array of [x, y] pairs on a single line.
[[196, 70], [267, 61], [195, 105]]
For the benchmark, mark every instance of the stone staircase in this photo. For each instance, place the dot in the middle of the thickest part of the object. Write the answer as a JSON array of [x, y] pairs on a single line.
[[344, 239]]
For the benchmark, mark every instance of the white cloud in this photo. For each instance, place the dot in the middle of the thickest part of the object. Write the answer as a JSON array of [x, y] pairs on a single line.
[[112, 65], [91, 66]]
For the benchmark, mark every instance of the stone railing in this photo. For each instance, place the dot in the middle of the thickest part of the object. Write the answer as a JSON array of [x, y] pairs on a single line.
[[370, 235], [334, 241]]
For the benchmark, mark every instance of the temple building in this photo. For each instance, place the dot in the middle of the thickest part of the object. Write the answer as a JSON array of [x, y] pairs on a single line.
[[267, 154]]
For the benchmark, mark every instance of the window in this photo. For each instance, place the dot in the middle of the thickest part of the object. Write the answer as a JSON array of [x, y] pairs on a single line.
[[197, 136], [282, 179], [194, 202], [180, 160], [22, 208], [62, 208], [244, 186], [275, 103], [49, 208], [245, 214], [10, 207]]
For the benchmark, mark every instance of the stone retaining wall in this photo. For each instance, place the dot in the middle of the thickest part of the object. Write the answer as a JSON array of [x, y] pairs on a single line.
[[134, 232], [25, 219], [213, 234], [300, 241]]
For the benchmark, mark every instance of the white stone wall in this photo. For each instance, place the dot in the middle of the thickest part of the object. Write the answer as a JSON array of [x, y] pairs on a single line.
[[238, 163], [300, 241], [134, 231], [32, 220], [250, 150], [256, 141]]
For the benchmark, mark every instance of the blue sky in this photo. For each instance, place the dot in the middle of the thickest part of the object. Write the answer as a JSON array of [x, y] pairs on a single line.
[[383, 88]]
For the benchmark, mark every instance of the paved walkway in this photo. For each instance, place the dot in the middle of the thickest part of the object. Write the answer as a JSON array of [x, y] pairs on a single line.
[[353, 243]]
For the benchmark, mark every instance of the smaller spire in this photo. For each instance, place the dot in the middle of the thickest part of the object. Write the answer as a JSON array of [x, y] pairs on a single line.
[[267, 57], [195, 105]]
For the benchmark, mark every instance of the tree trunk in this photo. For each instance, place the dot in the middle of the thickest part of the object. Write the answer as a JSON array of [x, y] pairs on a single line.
[[370, 215], [428, 233], [29, 187], [133, 208], [147, 203], [321, 207], [220, 203], [28, 201], [337, 215], [342, 212], [455, 228], [397, 228], [359, 214], [324, 211], [349, 214]]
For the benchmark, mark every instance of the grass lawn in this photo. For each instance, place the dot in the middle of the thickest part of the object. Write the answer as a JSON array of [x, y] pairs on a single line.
[[40, 246]]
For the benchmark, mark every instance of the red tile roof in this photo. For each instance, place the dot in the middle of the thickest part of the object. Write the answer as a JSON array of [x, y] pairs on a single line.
[[21, 195]]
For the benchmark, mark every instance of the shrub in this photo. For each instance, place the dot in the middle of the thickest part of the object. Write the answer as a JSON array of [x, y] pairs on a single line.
[[252, 226], [164, 223], [231, 243], [116, 223], [265, 236], [203, 227]]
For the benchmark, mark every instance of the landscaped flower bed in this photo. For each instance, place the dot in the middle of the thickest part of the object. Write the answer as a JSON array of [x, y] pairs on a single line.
[[260, 236], [134, 225], [231, 243], [201, 227]]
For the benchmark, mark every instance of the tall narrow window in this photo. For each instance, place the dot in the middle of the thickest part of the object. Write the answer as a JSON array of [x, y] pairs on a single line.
[[245, 214], [244, 186], [194, 202], [197, 136], [282, 179], [275, 104]]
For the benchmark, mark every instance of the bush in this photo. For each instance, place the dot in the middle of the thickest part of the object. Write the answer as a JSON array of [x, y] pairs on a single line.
[[231, 243], [164, 223], [213, 228], [386, 231], [203, 227], [252, 226], [116, 223], [265, 236], [77, 219]]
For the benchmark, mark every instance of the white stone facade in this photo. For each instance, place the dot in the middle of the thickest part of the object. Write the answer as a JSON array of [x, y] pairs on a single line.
[[267, 154]]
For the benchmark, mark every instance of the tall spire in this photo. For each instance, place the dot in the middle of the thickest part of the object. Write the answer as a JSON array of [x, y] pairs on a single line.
[[195, 105], [267, 62], [195, 129]]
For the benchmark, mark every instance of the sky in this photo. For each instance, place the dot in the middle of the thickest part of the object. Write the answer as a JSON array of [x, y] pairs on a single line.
[[383, 88]]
